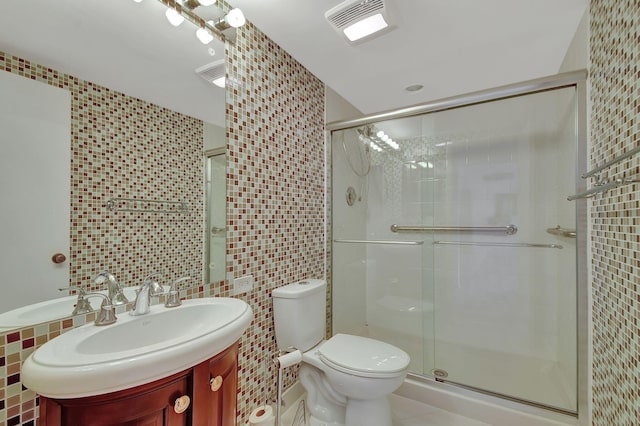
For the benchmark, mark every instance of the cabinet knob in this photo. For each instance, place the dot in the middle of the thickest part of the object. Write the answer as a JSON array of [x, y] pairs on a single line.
[[216, 383], [58, 258], [181, 404]]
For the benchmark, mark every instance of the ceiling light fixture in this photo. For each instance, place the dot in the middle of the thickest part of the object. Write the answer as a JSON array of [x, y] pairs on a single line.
[[192, 4], [366, 27], [174, 17], [224, 28], [414, 88], [214, 72], [204, 35], [233, 19], [360, 20]]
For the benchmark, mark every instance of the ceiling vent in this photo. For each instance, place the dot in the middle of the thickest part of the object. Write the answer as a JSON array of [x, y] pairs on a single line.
[[213, 73], [360, 20]]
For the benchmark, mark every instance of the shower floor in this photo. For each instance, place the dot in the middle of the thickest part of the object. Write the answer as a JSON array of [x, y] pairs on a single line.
[[522, 377]]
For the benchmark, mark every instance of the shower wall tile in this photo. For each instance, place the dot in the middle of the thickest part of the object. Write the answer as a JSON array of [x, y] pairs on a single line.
[[120, 147], [275, 191], [615, 238]]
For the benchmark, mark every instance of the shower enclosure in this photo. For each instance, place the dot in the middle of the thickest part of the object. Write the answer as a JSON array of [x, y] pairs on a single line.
[[452, 237]]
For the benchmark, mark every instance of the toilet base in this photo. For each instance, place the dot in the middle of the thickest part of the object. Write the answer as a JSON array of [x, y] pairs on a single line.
[[315, 422], [370, 412], [376, 412]]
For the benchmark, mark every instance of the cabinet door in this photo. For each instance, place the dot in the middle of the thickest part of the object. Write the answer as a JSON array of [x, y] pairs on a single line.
[[146, 405], [216, 406]]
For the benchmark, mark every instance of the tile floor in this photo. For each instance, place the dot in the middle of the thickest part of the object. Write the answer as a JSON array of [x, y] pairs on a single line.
[[406, 412]]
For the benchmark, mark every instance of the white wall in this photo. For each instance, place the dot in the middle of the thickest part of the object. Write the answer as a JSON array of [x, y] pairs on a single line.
[[348, 307], [214, 136], [338, 108], [35, 119], [577, 56]]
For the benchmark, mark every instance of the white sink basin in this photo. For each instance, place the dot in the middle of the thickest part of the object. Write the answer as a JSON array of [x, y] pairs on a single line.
[[51, 310], [92, 360]]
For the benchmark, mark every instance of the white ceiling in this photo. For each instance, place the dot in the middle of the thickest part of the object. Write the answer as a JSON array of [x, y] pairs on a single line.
[[120, 44], [449, 46]]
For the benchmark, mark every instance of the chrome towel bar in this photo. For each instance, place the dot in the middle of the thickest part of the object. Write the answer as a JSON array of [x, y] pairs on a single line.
[[562, 232], [612, 162], [601, 188], [509, 229], [146, 206], [401, 243], [491, 244]]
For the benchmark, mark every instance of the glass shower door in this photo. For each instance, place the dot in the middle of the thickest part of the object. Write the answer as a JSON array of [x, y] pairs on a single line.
[[505, 318], [480, 307]]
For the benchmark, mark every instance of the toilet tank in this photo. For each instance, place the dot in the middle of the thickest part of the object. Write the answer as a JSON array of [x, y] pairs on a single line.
[[300, 314]]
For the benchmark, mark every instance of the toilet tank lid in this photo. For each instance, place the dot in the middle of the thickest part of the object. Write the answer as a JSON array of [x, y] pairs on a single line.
[[300, 289]]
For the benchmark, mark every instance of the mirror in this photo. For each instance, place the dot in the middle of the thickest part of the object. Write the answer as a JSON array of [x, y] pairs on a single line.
[[216, 215], [131, 48]]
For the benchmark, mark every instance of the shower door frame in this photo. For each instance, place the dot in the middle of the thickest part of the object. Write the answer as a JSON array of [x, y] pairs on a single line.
[[577, 79]]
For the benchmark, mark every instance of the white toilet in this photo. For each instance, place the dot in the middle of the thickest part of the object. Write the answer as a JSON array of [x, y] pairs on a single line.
[[347, 378]]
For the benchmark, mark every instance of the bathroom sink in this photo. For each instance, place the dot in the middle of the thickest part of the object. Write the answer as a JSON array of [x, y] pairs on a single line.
[[51, 310], [92, 360]]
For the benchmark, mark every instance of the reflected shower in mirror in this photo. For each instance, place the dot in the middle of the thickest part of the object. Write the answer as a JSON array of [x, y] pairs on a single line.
[[216, 215]]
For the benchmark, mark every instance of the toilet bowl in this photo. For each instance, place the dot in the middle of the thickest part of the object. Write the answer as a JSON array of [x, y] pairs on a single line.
[[361, 372], [347, 378]]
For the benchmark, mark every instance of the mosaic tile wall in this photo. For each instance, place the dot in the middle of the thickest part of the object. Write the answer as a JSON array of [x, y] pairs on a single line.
[[615, 215], [275, 189], [121, 147]]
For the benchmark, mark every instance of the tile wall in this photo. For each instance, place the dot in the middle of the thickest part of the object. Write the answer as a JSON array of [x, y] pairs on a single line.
[[275, 189], [121, 147], [615, 215]]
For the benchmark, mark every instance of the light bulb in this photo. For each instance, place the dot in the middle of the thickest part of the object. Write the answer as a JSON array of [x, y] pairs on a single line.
[[220, 81], [204, 35], [365, 27], [206, 2], [174, 17], [380, 133], [138, 1], [235, 18]]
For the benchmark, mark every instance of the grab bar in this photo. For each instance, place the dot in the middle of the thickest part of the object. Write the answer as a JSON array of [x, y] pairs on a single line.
[[403, 243], [562, 232], [509, 229], [491, 244]]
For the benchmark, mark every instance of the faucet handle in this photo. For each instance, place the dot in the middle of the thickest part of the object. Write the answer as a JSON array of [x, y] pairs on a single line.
[[81, 291], [107, 314], [82, 304], [116, 292], [154, 274], [173, 297]]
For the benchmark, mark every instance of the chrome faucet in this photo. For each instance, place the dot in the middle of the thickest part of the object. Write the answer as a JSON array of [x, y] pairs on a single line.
[[116, 292], [173, 297], [82, 304], [149, 287], [107, 314]]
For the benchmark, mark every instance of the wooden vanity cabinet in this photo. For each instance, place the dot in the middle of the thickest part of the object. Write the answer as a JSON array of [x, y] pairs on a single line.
[[210, 385]]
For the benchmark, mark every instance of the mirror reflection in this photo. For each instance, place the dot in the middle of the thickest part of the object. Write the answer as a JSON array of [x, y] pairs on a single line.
[[140, 119], [216, 215]]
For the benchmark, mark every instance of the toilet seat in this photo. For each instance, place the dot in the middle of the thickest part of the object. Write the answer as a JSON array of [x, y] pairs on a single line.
[[364, 357]]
